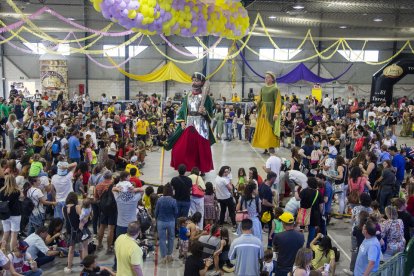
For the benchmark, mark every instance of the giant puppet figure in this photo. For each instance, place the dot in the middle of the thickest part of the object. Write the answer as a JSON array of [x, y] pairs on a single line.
[[191, 143], [269, 107]]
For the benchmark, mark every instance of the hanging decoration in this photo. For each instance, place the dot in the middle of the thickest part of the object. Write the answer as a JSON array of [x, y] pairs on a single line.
[[205, 52], [186, 18]]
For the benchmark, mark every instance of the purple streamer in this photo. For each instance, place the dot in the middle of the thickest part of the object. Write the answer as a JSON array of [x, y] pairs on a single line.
[[187, 54], [301, 72], [62, 18]]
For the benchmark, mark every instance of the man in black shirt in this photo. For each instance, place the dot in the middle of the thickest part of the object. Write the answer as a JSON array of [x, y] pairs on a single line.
[[266, 195], [169, 111], [287, 244], [182, 190]]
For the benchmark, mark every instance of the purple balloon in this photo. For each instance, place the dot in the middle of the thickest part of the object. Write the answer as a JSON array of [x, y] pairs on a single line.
[[109, 2], [140, 17], [151, 27], [133, 6], [124, 12], [122, 5]]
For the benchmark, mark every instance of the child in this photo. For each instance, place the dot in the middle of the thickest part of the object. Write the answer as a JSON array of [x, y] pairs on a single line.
[[22, 262], [241, 182], [268, 263], [192, 223], [91, 269], [146, 198], [84, 217], [36, 167], [223, 252], [376, 209], [183, 235], [210, 214], [277, 225]]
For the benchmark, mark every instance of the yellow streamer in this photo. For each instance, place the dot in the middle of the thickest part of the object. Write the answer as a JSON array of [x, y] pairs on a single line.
[[12, 36]]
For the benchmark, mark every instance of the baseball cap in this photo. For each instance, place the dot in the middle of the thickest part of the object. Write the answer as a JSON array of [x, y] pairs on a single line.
[[23, 246], [134, 159], [287, 217]]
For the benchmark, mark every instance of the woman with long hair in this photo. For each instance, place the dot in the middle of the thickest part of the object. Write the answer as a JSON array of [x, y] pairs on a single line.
[[385, 185], [219, 117], [250, 202], [210, 204], [11, 226], [303, 261], [165, 214], [392, 230], [239, 122], [357, 181], [369, 169], [340, 186], [10, 126], [324, 253], [295, 159], [71, 213], [254, 175]]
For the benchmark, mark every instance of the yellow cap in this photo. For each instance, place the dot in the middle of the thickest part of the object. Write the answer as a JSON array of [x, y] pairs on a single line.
[[287, 217]]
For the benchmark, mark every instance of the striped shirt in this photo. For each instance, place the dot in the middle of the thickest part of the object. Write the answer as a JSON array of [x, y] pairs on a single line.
[[246, 250]]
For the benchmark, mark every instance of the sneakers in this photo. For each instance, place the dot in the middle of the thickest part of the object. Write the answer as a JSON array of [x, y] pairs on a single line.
[[67, 270], [348, 272]]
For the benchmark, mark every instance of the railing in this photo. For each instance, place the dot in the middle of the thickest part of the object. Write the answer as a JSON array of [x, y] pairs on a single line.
[[400, 264]]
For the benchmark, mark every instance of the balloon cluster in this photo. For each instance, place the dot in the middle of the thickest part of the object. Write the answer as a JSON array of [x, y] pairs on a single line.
[[188, 18]]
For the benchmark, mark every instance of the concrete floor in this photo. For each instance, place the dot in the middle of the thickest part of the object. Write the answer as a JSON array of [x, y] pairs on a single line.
[[236, 154]]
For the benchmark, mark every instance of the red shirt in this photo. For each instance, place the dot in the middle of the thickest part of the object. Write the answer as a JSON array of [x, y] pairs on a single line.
[[135, 180], [410, 205], [85, 178]]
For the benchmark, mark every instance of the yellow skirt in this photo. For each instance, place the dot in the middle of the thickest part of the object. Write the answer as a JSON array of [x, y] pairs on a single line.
[[264, 137]]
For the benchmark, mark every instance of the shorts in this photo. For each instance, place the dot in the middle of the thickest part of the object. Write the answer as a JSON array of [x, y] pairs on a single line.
[[11, 224], [108, 219]]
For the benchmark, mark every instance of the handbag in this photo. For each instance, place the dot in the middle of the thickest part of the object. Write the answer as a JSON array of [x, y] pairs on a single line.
[[241, 215], [303, 218], [196, 190], [353, 197], [266, 217]]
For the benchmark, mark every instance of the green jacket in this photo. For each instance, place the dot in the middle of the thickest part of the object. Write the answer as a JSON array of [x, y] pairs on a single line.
[[182, 117]]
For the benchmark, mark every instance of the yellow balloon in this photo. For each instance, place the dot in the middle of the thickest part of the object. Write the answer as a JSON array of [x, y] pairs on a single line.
[[150, 20], [97, 6], [187, 24], [187, 9], [132, 14], [194, 29], [157, 15]]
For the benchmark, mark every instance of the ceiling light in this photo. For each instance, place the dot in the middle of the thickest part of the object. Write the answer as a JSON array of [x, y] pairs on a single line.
[[343, 27], [272, 17], [298, 7], [378, 19], [71, 19]]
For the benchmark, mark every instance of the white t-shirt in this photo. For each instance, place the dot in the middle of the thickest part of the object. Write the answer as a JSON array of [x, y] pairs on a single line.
[[19, 262], [35, 194], [63, 186], [221, 188], [299, 178], [274, 163], [3, 259], [93, 137], [63, 143], [326, 102], [112, 149], [371, 113], [36, 244]]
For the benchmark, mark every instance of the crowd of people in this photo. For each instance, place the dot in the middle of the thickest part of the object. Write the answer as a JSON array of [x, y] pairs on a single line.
[[70, 177]]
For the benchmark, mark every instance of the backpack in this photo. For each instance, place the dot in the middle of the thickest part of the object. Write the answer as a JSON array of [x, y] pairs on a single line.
[[27, 206], [56, 146], [107, 201], [359, 144], [4, 210], [144, 219]]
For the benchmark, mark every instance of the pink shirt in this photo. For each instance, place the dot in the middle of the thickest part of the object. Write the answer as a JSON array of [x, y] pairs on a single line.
[[358, 185]]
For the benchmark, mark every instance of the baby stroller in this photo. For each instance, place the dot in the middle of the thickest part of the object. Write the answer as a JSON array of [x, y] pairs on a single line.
[[145, 221]]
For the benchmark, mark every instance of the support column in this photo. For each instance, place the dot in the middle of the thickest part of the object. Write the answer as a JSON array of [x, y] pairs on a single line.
[[243, 71], [3, 73], [206, 63], [126, 78], [166, 82], [85, 19]]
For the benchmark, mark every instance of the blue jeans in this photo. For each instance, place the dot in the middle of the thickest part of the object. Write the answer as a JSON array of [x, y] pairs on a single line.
[[385, 196], [77, 160], [239, 130], [166, 233], [183, 208], [229, 131], [43, 259], [59, 210], [38, 272], [283, 271], [311, 235], [251, 133]]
